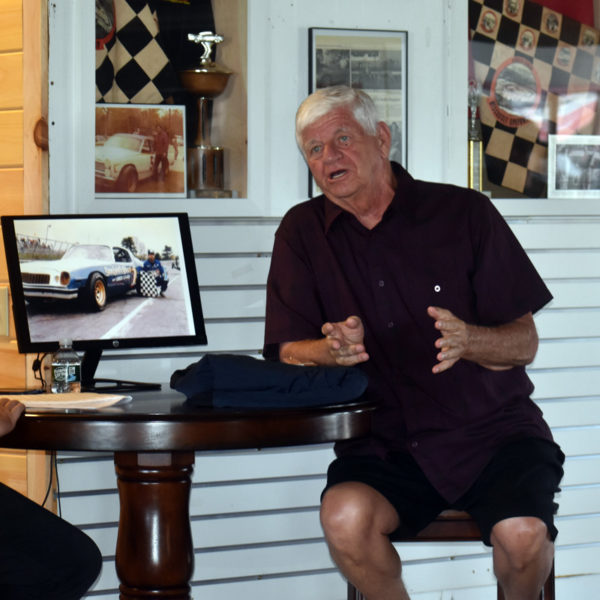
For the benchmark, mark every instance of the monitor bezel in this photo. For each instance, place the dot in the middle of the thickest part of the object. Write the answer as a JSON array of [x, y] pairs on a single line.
[[24, 341]]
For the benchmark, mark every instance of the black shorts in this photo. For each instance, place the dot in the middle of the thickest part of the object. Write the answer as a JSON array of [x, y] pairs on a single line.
[[520, 480]]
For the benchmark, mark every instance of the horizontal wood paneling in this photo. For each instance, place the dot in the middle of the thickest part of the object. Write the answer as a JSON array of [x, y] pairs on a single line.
[[11, 192], [565, 383], [230, 236], [11, 80], [209, 467], [11, 25], [232, 271], [11, 144], [13, 467], [558, 234], [556, 264], [569, 323]]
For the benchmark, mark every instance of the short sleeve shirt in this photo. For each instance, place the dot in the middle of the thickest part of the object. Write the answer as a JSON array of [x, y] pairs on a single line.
[[436, 245]]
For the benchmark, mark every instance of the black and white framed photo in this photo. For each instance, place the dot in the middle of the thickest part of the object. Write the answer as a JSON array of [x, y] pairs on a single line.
[[574, 166], [372, 60], [140, 151]]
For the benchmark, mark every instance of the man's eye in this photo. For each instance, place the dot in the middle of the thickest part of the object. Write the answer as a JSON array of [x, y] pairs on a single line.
[[315, 149], [344, 139]]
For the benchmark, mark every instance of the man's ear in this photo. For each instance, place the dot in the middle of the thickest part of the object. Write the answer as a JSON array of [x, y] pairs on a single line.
[[384, 138]]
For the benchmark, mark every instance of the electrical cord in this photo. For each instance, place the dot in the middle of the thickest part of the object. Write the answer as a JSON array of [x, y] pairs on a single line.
[[38, 370], [52, 468]]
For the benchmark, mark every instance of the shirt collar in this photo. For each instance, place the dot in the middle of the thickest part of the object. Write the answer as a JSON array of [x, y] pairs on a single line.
[[403, 181]]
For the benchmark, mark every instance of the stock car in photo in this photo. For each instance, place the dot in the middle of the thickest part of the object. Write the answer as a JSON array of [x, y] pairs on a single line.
[[124, 160], [87, 273]]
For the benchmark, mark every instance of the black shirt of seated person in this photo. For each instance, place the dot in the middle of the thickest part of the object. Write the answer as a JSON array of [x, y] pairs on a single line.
[[436, 245]]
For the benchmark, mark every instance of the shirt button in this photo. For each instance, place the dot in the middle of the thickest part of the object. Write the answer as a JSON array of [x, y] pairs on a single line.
[[414, 444], [437, 288], [390, 324], [381, 283]]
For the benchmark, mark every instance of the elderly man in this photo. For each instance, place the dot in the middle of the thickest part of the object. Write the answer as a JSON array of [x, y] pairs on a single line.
[[425, 288]]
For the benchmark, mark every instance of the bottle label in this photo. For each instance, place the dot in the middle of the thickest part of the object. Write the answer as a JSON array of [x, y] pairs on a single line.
[[59, 373], [66, 373]]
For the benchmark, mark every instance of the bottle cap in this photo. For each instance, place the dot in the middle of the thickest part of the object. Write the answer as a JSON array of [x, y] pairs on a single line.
[[65, 343]]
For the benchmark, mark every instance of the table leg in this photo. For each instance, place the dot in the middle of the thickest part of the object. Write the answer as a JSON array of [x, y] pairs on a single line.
[[155, 555]]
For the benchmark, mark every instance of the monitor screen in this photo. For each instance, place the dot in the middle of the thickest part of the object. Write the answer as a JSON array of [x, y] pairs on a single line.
[[104, 282]]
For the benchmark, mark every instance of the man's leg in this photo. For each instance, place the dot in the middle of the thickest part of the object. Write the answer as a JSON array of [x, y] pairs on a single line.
[[356, 520], [523, 556]]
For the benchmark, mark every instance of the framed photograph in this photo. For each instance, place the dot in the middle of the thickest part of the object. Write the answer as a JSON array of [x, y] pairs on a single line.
[[574, 166], [140, 151], [372, 60]]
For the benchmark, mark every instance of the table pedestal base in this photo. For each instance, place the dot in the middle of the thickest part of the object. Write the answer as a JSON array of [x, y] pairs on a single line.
[[155, 556]]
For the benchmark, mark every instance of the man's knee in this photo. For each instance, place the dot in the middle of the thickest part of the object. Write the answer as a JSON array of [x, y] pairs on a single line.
[[523, 541], [352, 511]]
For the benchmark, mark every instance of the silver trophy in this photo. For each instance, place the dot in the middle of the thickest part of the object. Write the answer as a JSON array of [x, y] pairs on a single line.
[[206, 81]]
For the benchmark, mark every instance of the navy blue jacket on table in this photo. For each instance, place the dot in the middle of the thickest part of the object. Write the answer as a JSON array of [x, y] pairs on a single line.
[[436, 245], [232, 380]]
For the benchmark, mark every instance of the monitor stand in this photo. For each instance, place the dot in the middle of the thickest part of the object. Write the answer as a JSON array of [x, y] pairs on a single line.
[[89, 383]]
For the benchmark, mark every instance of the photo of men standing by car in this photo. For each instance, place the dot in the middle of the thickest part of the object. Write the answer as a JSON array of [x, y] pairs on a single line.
[[140, 150]]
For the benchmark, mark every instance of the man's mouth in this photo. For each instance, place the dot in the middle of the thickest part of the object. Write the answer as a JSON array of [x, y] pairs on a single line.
[[337, 174]]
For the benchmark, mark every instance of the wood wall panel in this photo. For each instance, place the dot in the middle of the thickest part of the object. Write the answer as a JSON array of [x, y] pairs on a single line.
[[13, 465], [11, 77], [11, 25], [11, 142], [11, 191]]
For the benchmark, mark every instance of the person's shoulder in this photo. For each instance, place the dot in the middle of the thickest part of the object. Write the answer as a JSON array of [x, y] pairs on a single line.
[[305, 212]]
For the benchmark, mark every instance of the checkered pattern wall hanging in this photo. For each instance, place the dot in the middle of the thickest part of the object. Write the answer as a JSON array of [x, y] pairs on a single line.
[[540, 74], [131, 65], [148, 287]]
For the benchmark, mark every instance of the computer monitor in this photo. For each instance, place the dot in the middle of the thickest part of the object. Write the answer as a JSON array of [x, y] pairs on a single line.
[[105, 281]]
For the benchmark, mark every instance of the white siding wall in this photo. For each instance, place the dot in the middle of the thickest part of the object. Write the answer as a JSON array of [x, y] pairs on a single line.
[[255, 513]]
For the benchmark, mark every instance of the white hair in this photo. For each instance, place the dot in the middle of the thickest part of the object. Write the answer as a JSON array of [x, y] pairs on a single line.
[[324, 100]]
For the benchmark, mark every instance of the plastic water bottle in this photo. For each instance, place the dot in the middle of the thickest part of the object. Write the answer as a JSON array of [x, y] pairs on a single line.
[[66, 369]]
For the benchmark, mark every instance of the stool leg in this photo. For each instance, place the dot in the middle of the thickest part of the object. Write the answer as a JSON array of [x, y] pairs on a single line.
[[548, 591]]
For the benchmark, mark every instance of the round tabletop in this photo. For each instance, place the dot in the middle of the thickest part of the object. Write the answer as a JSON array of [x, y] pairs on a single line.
[[165, 421]]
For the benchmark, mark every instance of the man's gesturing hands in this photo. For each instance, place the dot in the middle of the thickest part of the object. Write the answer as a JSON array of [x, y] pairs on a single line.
[[345, 341]]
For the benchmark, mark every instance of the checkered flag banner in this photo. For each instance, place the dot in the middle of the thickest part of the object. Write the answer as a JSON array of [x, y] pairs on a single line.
[[540, 74], [148, 287], [131, 65]]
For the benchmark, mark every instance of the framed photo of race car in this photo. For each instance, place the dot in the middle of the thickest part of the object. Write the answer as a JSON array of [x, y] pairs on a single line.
[[140, 151]]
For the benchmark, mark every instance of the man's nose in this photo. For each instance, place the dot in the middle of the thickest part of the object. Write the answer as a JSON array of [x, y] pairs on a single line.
[[331, 152]]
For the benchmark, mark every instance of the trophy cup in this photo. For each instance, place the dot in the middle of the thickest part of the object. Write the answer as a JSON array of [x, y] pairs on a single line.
[[475, 142], [206, 81]]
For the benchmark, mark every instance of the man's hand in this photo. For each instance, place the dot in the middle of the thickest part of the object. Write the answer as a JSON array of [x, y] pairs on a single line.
[[454, 341], [497, 348], [10, 411], [345, 341]]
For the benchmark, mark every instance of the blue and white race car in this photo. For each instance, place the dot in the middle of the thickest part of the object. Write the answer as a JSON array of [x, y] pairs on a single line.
[[89, 273]]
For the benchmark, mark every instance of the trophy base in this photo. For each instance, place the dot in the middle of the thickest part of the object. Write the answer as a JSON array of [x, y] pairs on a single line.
[[211, 193], [205, 168]]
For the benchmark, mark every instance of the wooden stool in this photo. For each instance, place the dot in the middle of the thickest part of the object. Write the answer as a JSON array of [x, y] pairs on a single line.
[[455, 526]]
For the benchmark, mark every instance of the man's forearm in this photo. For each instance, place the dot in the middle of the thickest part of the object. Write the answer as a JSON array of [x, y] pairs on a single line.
[[306, 352], [504, 346]]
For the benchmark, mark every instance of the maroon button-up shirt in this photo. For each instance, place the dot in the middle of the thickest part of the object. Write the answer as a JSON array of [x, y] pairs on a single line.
[[436, 245]]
